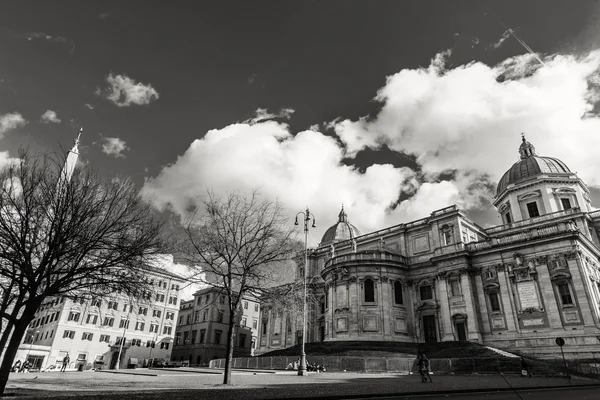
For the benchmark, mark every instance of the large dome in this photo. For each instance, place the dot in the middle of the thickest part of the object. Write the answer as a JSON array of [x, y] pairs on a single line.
[[342, 230], [530, 166]]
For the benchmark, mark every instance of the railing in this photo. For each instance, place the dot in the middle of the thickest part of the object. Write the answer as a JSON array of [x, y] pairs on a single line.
[[490, 365], [444, 210], [533, 233], [368, 255], [532, 221]]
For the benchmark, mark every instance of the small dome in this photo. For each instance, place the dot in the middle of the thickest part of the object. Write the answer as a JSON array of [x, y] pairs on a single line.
[[530, 166], [342, 230]]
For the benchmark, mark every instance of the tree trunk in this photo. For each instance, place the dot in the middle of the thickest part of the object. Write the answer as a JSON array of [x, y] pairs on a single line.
[[229, 350], [4, 339], [20, 327]]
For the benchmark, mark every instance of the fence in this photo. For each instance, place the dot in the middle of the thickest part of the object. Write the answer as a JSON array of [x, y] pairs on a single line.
[[487, 365]]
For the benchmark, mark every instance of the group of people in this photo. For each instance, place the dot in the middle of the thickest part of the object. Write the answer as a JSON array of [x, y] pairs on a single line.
[[21, 367], [423, 364], [311, 367]]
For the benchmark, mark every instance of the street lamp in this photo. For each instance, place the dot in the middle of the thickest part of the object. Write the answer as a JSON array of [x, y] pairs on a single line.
[[31, 344], [307, 217]]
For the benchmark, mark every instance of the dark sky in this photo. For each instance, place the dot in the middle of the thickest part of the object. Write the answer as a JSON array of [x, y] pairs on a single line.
[[215, 62]]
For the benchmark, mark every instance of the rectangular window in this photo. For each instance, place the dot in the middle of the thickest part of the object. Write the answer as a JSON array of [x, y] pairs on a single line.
[[218, 337], [494, 301], [264, 328], [255, 324], [565, 293], [108, 321], [167, 330], [189, 319], [242, 340], [245, 305], [244, 321], [105, 338], [508, 218], [73, 316], [566, 204], [426, 293], [124, 323], [197, 316], [199, 300], [205, 315], [446, 238], [455, 287], [154, 328], [220, 316], [256, 307], [139, 326], [532, 209], [91, 319], [202, 334], [193, 337]]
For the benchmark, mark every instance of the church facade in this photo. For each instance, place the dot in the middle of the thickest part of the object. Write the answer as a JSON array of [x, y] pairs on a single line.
[[519, 285]]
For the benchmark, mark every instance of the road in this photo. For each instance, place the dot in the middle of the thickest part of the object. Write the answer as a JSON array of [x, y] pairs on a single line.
[[583, 393]]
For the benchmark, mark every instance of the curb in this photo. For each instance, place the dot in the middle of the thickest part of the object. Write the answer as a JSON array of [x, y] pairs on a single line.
[[443, 392], [108, 371]]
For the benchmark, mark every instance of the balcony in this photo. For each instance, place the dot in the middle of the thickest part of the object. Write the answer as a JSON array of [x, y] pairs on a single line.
[[533, 221]]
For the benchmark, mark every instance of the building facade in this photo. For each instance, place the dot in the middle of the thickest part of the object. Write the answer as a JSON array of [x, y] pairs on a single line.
[[519, 285], [201, 332], [93, 332]]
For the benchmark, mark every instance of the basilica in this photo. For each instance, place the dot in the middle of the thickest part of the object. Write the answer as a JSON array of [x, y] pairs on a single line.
[[519, 285]]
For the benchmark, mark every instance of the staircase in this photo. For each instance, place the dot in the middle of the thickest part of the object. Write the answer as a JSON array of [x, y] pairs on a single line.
[[503, 353]]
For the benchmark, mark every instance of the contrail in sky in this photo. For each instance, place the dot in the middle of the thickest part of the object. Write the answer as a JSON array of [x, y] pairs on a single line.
[[529, 49]]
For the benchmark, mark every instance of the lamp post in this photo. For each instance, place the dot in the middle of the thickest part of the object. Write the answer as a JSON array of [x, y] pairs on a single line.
[[31, 344], [307, 217], [124, 337]]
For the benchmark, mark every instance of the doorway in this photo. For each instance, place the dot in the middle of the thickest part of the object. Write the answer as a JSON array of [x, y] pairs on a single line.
[[461, 331], [113, 360], [429, 329]]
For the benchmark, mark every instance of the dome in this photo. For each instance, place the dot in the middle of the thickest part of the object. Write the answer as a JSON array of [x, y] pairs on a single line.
[[529, 166], [342, 230]]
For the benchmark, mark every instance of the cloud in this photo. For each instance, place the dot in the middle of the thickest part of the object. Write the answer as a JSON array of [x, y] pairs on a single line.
[[167, 262], [114, 146], [50, 117], [263, 115], [462, 125], [124, 91], [301, 170], [31, 36], [104, 15], [504, 36], [11, 121], [88, 106]]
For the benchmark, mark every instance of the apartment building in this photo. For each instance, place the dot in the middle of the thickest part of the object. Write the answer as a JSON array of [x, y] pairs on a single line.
[[202, 326], [93, 332]]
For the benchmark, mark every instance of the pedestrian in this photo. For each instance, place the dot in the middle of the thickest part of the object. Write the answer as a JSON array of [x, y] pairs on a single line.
[[423, 363], [65, 363], [525, 368], [17, 366]]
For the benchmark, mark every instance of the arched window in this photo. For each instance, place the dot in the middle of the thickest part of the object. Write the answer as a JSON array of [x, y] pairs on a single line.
[[397, 292], [369, 291]]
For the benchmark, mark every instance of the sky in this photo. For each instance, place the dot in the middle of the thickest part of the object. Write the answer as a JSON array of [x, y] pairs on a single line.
[[392, 108]]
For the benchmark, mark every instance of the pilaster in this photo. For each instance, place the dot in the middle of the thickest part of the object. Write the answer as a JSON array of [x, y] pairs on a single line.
[[473, 333], [446, 322]]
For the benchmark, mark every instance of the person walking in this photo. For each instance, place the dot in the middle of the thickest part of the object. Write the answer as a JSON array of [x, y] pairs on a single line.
[[423, 363], [525, 368], [65, 363]]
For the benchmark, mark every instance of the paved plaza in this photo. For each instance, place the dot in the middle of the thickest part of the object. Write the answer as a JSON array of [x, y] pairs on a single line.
[[188, 383]]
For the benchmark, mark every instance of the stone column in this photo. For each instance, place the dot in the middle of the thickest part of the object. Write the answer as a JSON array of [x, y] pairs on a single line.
[[473, 333], [384, 300], [508, 306], [480, 293], [446, 321], [552, 309], [582, 293]]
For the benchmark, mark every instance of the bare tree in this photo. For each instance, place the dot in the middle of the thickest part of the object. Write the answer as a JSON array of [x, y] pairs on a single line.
[[77, 235], [236, 244]]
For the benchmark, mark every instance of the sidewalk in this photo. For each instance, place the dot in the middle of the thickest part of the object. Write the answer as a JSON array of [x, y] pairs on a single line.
[[189, 384]]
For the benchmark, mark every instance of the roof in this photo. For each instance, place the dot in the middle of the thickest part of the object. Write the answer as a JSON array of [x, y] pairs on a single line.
[[530, 166], [340, 231]]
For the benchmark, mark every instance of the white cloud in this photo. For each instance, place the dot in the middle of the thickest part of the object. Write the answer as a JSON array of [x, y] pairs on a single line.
[[50, 117], [124, 91], [114, 146], [504, 36], [187, 290], [301, 170], [104, 15], [88, 106], [11, 121], [470, 120], [463, 125], [43, 36], [262, 114]]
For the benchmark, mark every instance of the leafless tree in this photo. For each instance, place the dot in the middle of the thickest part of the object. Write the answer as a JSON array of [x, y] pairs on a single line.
[[236, 243], [68, 236]]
